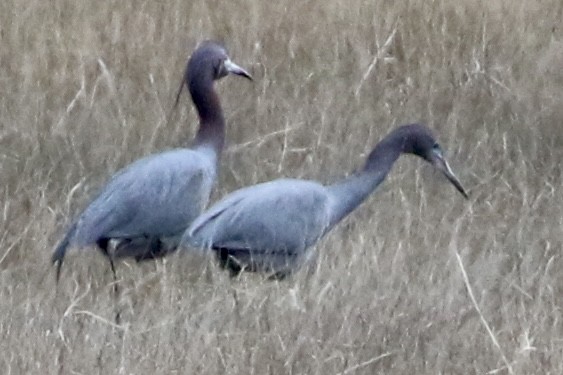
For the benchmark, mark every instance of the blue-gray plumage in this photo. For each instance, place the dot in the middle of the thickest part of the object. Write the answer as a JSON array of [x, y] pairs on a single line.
[[144, 208], [269, 227]]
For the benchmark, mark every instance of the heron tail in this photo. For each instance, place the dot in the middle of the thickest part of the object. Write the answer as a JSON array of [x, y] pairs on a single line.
[[60, 251]]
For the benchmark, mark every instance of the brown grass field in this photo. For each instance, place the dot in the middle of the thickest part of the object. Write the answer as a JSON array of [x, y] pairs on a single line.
[[416, 281]]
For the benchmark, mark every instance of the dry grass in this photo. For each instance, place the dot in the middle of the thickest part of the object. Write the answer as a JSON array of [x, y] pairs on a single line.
[[86, 88]]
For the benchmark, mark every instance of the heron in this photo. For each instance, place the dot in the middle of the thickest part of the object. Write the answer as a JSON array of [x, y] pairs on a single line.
[[145, 207], [270, 227]]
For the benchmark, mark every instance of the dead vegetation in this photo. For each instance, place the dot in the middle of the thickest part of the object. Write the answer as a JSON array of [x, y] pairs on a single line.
[[416, 281]]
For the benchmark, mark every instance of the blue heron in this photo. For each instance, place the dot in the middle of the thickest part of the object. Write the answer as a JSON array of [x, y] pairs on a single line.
[[145, 207], [269, 227]]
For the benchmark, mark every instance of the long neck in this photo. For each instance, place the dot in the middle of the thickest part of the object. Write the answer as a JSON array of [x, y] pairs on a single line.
[[350, 192], [211, 121]]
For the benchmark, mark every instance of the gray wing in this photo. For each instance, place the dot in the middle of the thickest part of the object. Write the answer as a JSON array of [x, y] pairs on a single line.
[[280, 216], [159, 195]]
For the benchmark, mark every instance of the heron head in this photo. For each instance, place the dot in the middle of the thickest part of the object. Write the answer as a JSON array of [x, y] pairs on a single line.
[[208, 63], [420, 141], [212, 57]]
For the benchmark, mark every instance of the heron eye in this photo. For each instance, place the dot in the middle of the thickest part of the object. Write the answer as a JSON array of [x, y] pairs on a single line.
[[436, 149]]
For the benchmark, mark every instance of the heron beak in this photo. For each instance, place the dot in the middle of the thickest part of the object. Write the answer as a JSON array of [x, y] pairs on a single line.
[[233, 68], [439, 162]]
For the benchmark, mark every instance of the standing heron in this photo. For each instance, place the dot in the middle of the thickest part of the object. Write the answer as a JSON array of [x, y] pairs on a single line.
[[145, 207], [269, 227]]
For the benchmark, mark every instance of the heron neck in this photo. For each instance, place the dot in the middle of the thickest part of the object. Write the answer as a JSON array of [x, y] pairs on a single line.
[[211, 130], [350, 192]]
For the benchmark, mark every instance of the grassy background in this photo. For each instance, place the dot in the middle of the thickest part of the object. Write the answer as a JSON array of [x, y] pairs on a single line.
[[87, 88]]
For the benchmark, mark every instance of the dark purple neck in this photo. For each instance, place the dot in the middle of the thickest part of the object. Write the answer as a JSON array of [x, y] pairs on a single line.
[[386, 152], [350, 192], [211, 121]]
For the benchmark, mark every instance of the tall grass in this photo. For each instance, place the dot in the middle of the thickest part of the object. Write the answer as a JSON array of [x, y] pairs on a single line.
[[415, 281]]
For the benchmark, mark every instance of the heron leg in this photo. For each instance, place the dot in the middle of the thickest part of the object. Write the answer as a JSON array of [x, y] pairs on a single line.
[[278, 276], [228, 262], [115, 292], [103, 244], [115, 286], [155, 249]]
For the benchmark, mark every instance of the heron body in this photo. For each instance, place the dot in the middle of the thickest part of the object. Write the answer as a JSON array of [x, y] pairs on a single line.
[[145, 207], [154, 196], [239, 226], [270, 227]]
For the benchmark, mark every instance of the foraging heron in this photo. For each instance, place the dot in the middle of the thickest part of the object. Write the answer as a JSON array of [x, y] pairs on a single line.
[[145, 207], [269, 227]]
